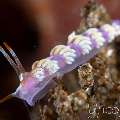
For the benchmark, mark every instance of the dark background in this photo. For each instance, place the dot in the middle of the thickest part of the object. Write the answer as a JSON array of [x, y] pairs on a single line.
[[32, 28]]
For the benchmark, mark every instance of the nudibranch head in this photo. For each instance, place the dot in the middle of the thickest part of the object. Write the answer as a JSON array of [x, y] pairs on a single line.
[[27, 88], [28, 80]]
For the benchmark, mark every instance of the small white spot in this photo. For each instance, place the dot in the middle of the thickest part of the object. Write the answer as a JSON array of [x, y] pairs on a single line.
[[109, 53], [21, 77]]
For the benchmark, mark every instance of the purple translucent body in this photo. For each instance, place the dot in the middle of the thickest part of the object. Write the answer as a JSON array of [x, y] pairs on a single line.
[[93, 41], [38, 89], [76, 48], [60, 59], [105, 35], [116, 22], [33, 89]]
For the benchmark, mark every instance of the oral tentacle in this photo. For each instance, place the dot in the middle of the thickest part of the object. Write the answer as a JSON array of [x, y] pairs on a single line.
[[12, 63], [18, 63]]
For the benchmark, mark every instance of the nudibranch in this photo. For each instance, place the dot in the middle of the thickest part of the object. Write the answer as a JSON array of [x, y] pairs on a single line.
[[63, 58]]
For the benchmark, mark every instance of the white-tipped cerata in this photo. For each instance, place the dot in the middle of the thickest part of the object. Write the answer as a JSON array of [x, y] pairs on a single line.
[[65, 51], [97, 36], [71, 36], [50, 65], [110, 30], [82, 41], [38, 73], [117, 28], [35, 64]]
